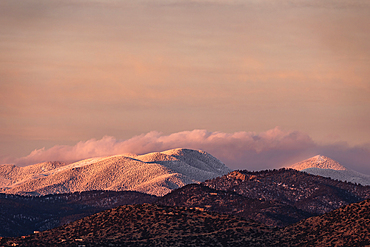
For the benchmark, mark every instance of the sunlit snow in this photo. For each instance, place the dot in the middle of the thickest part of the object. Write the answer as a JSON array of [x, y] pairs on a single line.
[[154, 173]]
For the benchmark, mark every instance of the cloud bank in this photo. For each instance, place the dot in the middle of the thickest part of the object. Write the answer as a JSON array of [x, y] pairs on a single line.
[[240, 150]]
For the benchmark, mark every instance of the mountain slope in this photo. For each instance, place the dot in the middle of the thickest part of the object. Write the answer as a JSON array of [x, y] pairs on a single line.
[[270, 213], [312, 194], [11, 174], [326, 167], [346, 226], [273, 197], [154, 173], [21, 215], [152, 225]]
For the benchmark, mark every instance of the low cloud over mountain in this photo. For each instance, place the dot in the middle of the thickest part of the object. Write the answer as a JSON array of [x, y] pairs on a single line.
[[239, 150]]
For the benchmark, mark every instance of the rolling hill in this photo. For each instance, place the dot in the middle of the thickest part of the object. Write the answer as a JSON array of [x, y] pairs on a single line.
[[271, 213], [310, 193], [21, 215], [346, 226], [153, 225]]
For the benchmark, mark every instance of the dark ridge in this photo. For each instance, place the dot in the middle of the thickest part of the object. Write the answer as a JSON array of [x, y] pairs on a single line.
[[346, 226], [271, 213], [310, 193], [152, 225], [21, 215]]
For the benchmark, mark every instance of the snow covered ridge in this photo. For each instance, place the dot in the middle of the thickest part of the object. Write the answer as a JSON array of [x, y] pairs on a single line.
[[326, 167], [318, 161], [155, 173]]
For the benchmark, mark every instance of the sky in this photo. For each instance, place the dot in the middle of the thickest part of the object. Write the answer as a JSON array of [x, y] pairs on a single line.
[[256, 83]]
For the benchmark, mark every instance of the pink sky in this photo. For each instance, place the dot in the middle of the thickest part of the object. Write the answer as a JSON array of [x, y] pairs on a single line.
[[76, 71]]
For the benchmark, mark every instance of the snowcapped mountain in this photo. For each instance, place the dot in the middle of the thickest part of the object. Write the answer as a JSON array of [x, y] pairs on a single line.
[[154, 173], [317, 161], [326, 167]]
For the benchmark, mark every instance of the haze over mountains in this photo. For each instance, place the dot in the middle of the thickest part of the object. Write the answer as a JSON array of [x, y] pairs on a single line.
[[326, 167], [154, 173]]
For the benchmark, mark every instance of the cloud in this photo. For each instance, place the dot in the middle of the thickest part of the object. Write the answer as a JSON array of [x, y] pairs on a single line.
[[240, 150]]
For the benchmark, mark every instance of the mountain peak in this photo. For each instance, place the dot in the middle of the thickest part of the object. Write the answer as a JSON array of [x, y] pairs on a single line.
[[318, 161], [326, 167]]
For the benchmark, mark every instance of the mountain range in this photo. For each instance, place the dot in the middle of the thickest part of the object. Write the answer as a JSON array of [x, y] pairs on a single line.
[[284, 207], [276, 198], [154, 173]]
